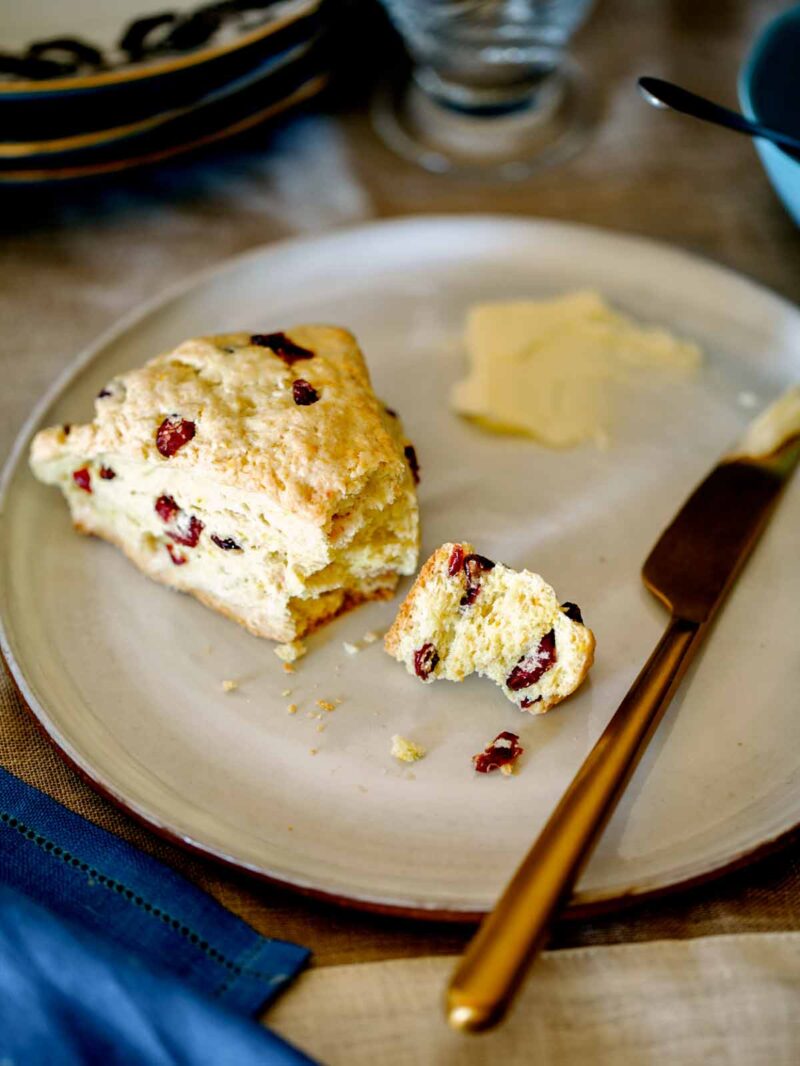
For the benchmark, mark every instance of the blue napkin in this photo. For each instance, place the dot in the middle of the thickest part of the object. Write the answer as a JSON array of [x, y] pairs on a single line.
[[108, 955]]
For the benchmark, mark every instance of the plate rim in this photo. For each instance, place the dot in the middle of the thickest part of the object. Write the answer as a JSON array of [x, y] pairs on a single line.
[[582, 904], [44, 176], [21, 151], [128, 74]]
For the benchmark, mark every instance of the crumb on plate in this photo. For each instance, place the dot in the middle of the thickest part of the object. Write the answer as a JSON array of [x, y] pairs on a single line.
[[406, 750], [228, 685], [292, 708]]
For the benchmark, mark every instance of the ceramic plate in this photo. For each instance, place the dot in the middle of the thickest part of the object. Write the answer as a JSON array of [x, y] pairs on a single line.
[[229, 118], [170, 126], [73, 107], [126, 676]]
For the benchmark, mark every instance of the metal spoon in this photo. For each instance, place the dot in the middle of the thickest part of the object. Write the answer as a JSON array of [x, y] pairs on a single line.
[[665, 94]]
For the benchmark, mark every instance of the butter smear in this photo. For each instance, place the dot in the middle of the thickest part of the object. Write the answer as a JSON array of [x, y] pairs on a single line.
[[547, 368]]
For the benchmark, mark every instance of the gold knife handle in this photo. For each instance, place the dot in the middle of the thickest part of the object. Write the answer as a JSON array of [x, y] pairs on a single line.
[[510, 936]]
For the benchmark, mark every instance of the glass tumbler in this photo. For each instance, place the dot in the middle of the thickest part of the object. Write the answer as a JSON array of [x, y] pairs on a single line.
[[492, 89]]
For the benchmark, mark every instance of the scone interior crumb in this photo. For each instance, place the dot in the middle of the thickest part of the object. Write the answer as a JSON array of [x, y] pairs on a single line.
[[291, 652], [467, 614]]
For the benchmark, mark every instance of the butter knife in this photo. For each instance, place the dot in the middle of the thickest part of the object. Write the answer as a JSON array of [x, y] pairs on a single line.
[[690, 569]]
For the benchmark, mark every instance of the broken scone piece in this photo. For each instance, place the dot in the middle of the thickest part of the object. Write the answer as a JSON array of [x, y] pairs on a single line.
[[466, 614], [258, 472]]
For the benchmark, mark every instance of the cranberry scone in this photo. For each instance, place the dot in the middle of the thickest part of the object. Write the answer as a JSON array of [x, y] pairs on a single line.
[[466, 614], [259, 473]]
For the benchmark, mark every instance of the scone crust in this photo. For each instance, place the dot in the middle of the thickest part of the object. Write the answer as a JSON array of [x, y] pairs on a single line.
[[403, 620], [249, 432]]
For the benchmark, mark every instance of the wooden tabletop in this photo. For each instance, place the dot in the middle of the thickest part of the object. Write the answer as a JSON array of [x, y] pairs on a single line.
[[74, 260]]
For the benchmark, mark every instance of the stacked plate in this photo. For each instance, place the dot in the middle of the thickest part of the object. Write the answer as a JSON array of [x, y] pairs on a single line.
[[89, 87]]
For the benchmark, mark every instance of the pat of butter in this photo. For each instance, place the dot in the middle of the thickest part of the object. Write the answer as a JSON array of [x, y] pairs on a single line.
[[546, 367]]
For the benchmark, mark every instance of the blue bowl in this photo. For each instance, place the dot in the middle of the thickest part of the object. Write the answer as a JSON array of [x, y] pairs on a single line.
[[769, 91]]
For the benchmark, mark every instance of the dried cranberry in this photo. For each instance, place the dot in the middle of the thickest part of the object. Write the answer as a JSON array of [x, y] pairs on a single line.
[[187, 530], [528, 702], [176, 556], [226, 543], [473, 566], [532, 666], [83, 479], [425, 660], [303, 393], [411, 458], [166, 508], [573, 611], [469, 596], [504, 750], [107, 474], [280, 344], [456, 560], [173, 433]]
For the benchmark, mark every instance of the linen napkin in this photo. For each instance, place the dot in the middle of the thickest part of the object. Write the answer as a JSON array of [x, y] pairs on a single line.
[[68, 997], [93, 929]]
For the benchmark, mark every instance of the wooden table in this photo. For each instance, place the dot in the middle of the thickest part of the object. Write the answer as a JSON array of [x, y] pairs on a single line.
[[73, 261]]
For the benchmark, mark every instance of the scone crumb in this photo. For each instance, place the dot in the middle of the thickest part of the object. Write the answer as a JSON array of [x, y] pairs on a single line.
[[289, 828], [321, 728], [509, 769], [313, 751], [292, 708], [286, 692], [406, 750], [228, 685], [288, 668], [328, 705], [350, 649], [291, 652], [372, 636]]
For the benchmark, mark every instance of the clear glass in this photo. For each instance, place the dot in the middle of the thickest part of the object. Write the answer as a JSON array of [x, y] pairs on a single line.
[[491, 86]]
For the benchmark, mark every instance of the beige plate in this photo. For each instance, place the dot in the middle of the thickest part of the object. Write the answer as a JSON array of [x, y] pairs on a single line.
[[126, 676]]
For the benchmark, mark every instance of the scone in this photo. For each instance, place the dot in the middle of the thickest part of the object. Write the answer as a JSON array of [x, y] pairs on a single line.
[[257, 472], [466, 614]]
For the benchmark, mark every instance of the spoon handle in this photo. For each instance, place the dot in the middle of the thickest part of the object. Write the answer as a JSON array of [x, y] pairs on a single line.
[[666, 94]]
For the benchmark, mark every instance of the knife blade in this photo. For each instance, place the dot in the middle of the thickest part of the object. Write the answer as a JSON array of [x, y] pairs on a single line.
[[690, 569], [697, 557]]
